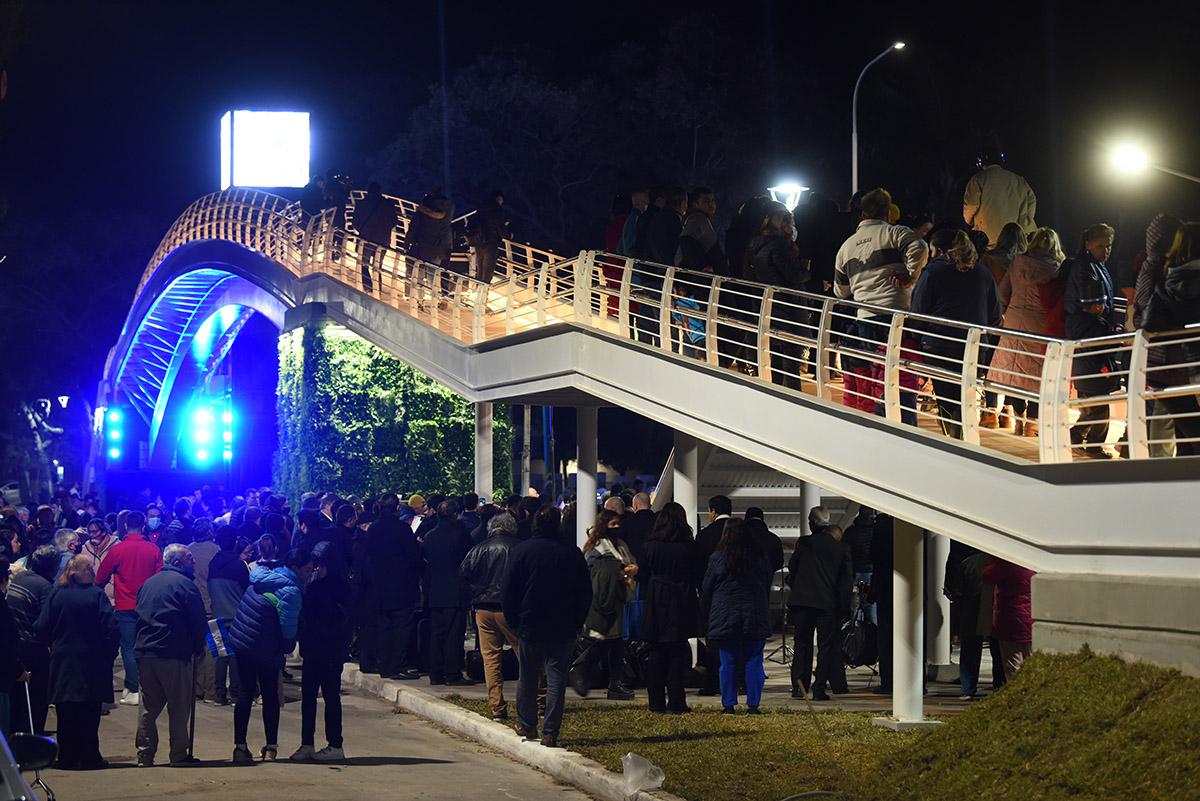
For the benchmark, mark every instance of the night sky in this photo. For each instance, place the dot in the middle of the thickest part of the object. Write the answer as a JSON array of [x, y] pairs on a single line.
[[110, 125]]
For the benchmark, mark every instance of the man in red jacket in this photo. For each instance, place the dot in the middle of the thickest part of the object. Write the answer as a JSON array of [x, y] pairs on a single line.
[[129, 563]]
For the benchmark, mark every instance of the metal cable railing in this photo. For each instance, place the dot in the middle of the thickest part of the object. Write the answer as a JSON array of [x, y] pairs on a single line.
[[908, 368]]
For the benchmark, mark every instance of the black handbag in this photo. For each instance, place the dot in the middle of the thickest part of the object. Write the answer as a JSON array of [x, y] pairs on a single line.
[[860, 645]]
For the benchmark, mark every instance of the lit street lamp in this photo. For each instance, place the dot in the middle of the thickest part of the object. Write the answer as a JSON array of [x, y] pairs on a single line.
[[1129, 159], [788, 193], [854, 116]]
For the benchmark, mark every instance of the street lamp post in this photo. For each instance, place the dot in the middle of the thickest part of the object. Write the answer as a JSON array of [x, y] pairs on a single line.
[[854, 116]]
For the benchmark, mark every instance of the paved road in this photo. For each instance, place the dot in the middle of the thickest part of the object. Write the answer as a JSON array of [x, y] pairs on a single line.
[[388, 756]]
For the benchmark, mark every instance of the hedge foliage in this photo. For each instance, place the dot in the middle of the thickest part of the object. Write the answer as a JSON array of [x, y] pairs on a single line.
[[356, 420]]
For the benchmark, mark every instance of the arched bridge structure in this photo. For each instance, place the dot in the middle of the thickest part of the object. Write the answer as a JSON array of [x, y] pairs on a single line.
[[759, 371]]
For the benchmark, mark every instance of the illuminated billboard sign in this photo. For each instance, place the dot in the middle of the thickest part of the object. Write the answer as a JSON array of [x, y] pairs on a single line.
[[264, 148]]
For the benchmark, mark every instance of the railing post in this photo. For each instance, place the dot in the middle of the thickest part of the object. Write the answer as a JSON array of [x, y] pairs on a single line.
[[479, 313], [1054, 433], [583, 287], [764, 333], [820, 361], [623, 300], [664, 313], [710, 322], [891, 369], [543, 292], [969, 399], [1135, 404]]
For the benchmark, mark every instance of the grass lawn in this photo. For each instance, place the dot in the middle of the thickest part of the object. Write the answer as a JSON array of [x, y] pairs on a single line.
[[1077, 726]]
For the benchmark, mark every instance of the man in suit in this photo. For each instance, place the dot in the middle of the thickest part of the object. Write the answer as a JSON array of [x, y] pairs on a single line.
[[720, 510], [396, 565], [636, 527], [821, 574]]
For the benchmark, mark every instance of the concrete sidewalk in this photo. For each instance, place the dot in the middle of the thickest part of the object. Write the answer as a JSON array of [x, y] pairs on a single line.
[[941, 698]]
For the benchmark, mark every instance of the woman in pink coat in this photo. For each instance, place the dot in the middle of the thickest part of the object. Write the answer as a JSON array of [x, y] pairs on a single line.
[[1012, 612], [1018, 360]]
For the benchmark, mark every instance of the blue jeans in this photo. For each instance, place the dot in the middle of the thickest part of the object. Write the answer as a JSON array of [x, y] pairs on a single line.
[[127, 621], [864, 577], [969, 656], [744, 656], [554, 657]]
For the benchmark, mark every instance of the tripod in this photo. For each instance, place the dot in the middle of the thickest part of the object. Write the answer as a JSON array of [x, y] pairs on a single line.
[[782, 653]]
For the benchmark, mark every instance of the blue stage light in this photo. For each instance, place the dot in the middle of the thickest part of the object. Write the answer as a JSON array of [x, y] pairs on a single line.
[[114, 416], [114, 433], [202, 455], [114, 453]]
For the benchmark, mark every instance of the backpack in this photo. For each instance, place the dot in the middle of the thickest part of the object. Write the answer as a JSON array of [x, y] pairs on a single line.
[[860, 645]]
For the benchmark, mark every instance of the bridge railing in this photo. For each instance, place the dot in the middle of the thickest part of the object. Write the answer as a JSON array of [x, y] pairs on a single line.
[[1072, 399]]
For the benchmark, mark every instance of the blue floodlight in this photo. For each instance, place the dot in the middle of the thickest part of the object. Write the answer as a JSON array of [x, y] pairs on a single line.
[[202, 455], [114, 453], [114, 416], [228, 455], [114, 433]]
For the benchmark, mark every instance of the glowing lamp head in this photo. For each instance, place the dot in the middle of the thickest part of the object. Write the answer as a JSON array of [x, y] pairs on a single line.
[[1128, 158], [202, 417], [202, 455], [227, 455], [788, 193], [227, 418], [115, 434], [114, 453], [114, 416], [898, 46]]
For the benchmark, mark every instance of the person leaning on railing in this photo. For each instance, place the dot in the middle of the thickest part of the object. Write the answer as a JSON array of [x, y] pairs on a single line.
[[1176, 304], [1088, 305], [1018, 360], [877, 264], [955, 285]]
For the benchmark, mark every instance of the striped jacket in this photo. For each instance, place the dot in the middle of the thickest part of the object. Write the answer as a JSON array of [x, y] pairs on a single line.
[[868, 260]]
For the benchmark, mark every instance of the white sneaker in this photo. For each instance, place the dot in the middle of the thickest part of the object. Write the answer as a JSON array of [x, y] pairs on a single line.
[[130, 699], [329, 754], [303, 754]]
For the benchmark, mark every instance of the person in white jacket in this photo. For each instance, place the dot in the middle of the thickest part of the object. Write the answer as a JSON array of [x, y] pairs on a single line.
[[878, 265], [995, 197]]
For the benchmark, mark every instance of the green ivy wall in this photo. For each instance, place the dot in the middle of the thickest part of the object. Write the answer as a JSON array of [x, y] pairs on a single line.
[[355, 420]]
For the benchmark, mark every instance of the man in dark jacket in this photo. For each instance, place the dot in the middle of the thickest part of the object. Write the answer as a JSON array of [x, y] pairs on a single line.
[[720, 511], [636, 527], [487, 231], [27, 593], [449, 595], [171, 630], [545, 594], [430, 237], [395, 565], [768, 542], [375, 218], [228, 578], [1088, 305], [483, 568], [665, 228], [326, 624], [821, 575]]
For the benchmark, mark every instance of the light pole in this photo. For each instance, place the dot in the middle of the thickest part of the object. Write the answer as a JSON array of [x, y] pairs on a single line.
[[854, 116], [1131, 159]]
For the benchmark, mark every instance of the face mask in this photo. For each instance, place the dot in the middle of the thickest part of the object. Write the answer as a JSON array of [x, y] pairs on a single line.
[[153, 523]]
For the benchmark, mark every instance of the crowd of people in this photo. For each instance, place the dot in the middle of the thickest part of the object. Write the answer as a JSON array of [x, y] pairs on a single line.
[[197, 602], [994, 266]]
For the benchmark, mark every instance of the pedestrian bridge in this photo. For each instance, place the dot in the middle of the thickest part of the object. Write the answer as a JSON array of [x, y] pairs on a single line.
[[752, 369]]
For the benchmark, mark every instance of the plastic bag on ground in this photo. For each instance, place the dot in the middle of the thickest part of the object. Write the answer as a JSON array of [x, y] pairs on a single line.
[[640, 774]]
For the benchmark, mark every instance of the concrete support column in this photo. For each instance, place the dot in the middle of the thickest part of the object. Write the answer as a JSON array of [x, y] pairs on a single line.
[[585, 475], [810, 496], [526, 421], [686, 475], [937, 605], [908, 662], [483, 450]]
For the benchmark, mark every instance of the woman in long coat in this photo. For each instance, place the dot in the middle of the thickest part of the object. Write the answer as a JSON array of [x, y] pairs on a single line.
[[670, 573], [78, 622], [1018, 360]]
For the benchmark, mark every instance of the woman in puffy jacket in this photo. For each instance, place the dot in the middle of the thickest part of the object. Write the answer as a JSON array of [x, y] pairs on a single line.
[[263, 633]]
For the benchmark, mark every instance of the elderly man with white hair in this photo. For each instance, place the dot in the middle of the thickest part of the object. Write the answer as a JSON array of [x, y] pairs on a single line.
[[171, 630]]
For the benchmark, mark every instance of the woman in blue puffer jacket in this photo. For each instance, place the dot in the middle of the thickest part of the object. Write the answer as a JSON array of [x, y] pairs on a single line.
[[263, 634]]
